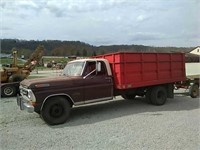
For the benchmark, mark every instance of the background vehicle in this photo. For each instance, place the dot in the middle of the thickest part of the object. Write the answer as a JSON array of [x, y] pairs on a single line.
[[101, 78], [11, 76], [192, 84]]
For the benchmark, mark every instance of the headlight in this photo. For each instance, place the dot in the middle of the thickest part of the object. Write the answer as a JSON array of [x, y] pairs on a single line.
[[31, 96], [27, 94]]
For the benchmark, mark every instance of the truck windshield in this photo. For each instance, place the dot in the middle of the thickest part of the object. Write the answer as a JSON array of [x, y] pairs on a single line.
[[73, 69]]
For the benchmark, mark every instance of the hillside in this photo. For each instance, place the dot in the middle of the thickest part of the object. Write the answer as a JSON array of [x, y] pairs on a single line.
[[66, 48]]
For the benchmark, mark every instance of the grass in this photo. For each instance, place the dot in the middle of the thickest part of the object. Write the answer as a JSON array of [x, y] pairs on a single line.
[[58, 60], [10, 61], [45, 60]]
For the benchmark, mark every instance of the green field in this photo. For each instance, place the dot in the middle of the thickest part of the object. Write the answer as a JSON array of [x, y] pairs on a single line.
[[10, 61], [58, 60], [45, 60]]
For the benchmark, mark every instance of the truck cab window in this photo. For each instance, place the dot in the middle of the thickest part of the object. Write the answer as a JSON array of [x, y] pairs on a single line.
[[90, 68], [73, 69], [103, 71]]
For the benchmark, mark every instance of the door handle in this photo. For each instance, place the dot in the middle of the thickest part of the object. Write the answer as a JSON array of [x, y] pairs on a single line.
[[108, 79]]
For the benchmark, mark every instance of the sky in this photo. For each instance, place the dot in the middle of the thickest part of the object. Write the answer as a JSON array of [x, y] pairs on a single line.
[[103, 22]]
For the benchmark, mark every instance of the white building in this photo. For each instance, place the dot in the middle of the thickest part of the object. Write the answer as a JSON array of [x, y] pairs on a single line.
[[196, 51], [193, 65]]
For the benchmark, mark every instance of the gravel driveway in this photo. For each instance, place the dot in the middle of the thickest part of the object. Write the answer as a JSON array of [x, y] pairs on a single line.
[[115, 125]]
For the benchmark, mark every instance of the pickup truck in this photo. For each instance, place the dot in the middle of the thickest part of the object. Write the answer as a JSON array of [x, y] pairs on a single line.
[[101, 78]]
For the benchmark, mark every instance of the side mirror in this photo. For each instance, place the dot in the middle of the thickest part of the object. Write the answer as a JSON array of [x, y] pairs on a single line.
[[98, 66]]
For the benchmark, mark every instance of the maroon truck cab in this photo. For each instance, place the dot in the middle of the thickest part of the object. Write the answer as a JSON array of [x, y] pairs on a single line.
[[101, 78]]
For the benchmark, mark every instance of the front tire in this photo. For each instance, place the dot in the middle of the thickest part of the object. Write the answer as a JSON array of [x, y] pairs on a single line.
[[56, 110], [8, 91]]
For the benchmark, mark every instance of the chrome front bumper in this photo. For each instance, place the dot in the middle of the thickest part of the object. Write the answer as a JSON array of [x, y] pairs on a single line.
[[24, 105]]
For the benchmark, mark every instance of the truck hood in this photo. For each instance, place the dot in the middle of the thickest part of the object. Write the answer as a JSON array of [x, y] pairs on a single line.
[[48, 82]]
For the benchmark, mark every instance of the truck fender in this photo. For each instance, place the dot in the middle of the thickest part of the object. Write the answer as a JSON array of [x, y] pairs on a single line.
[[61, 94]]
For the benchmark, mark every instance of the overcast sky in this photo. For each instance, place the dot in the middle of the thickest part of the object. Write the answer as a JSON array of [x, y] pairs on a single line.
[[104, 22]]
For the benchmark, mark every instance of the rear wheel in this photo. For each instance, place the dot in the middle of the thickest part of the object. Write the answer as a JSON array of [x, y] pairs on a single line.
[[194, 91], [148, 96], [8, 91], [158, 95], [56, 110]]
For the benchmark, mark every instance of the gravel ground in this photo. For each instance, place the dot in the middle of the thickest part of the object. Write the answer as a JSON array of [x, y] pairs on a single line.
[[115, 125]]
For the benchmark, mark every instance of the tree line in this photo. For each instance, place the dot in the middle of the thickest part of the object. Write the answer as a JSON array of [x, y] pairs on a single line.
[[77, 48]]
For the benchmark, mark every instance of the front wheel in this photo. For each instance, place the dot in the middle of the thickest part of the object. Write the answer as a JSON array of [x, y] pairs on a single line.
[[8, 91], [56, 110]]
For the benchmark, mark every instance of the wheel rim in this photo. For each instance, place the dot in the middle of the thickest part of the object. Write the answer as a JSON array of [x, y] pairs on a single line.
[[56, 111], [8, 91]]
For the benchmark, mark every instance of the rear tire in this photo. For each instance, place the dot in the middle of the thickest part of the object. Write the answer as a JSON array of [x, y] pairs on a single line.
[[148, 96], [158, 95], [194, 91], [8, 91], [56, 110]]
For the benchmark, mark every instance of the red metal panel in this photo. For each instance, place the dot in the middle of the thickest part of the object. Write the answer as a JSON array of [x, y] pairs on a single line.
[[132, 70]]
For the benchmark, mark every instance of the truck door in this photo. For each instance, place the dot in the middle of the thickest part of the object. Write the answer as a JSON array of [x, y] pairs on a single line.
[[98, 85]]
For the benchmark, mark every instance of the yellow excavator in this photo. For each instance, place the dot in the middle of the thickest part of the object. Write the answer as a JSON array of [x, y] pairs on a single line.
[[11, 76]]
